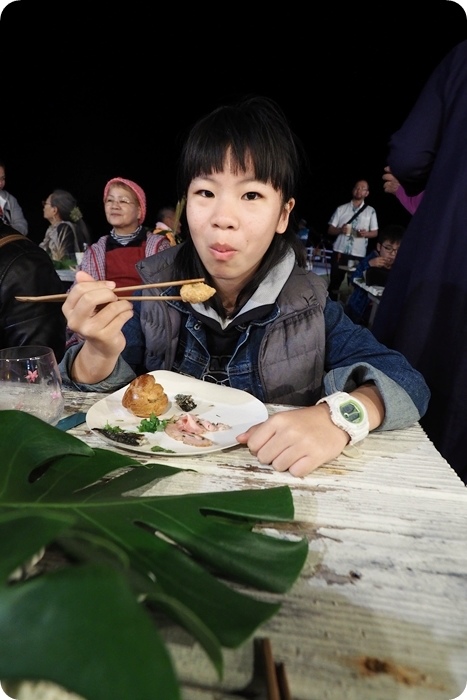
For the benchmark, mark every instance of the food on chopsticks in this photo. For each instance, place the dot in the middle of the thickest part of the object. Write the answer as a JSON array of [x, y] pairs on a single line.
[[191, 430], [132, 288], [144, 397], [196, 293]]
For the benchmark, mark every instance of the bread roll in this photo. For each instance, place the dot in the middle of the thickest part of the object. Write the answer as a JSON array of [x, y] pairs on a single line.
[[145, 397]]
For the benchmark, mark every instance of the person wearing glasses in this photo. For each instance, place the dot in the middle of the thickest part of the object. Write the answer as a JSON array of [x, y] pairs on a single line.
[[353, 224], [67, 233], [114, 255], [374, 269], [10, 210]]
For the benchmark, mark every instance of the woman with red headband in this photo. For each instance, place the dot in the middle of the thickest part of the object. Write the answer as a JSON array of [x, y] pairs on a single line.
[[114, 256]]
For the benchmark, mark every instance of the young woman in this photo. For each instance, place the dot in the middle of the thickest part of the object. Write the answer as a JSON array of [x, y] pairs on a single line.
[[270, 329]]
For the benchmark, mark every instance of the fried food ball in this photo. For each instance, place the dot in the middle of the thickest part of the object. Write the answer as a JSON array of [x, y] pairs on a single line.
[[196, 292]]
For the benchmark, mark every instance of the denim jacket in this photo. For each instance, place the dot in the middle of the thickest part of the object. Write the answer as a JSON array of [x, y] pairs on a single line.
[[306, 347]]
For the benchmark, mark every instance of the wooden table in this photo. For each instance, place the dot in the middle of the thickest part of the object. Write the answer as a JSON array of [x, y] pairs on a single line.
[[379, 611]]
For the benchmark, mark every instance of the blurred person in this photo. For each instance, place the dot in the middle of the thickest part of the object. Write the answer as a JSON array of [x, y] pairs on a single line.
[[423, 310], [168, 225], [353, 223], [303, 231], [379, 262], [10, 210], [270, 329], [27, 270], [67, 233], [393, 186]]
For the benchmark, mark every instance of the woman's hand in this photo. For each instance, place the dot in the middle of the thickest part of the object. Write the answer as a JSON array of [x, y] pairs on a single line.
[[300, 440], [303, 439], [94, 312]]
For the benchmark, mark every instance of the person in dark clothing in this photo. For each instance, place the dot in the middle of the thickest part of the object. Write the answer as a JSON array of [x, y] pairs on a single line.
[[379, 262], [27, 270], [424, 307]]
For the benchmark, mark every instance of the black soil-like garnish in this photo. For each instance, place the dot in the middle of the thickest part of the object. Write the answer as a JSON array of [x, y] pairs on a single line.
[[185, 401], [125, 437]]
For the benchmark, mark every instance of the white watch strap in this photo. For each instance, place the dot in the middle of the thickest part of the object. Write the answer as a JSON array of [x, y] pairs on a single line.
[[359, 429]]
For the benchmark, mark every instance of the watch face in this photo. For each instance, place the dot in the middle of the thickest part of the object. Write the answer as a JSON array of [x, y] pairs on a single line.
[[351, 412]]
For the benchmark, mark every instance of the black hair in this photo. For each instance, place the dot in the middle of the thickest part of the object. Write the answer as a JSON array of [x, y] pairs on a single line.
[[163, 211], [255, 132], [69, 211], [392, 233]]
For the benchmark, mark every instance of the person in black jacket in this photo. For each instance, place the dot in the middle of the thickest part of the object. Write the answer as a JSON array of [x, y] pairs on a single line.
[[27, 270]]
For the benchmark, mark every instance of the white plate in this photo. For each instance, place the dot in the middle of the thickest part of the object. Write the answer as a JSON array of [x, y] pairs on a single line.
[[216, 403]]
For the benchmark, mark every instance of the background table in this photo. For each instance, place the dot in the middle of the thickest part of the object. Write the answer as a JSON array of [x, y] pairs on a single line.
[[374, 295], [379, 611]]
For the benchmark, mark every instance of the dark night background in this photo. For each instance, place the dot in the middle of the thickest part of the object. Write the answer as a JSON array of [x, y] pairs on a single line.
[[96, 90]]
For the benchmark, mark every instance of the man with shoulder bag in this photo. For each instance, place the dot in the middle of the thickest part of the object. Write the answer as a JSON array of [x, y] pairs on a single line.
[[353, 224]]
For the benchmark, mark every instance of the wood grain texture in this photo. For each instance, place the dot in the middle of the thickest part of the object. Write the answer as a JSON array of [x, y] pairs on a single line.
[[379, 611]]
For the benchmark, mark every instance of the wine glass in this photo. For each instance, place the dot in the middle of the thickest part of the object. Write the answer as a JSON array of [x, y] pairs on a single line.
[[30, 381]]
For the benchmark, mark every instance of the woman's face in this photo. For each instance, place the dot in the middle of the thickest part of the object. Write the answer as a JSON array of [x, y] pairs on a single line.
[[122, 210], [48, 210], [232, 220]]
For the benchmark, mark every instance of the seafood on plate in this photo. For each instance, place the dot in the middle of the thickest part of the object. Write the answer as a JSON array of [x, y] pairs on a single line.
[[191, 430]]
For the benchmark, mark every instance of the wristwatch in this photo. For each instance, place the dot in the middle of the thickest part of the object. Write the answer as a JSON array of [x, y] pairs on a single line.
[[349, 414]]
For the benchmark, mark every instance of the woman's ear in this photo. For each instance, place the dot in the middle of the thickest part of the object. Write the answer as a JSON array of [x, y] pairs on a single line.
[[285, 214]]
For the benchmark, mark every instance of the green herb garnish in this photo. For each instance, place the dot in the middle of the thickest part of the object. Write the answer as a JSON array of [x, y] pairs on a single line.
[[153, 424], [112, 428], [158, 448]]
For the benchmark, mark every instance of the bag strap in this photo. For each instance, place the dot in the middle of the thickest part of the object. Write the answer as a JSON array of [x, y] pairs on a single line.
[[11, 237], [359, 211]]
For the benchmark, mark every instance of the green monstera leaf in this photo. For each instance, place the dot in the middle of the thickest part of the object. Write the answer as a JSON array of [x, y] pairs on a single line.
[[89, 625]]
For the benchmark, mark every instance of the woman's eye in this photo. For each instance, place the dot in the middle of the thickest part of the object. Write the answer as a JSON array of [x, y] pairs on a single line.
[[205, 193], [250, 196]]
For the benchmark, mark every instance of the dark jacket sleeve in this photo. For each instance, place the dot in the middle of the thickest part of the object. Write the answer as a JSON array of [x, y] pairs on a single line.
[[421, 141], [27, 270]]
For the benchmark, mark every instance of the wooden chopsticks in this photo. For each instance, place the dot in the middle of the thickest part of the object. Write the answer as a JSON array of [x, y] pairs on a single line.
[[277, 686], [269, 679], [134, 288]]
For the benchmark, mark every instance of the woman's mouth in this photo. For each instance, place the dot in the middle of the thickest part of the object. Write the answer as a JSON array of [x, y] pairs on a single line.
[[222, 252]]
